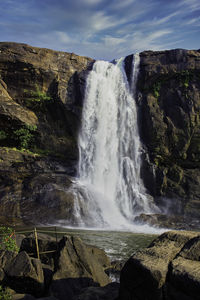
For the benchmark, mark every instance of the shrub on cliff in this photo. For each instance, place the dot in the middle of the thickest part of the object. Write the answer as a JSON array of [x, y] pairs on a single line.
[[7, 240], [37, 99], [25, 136]]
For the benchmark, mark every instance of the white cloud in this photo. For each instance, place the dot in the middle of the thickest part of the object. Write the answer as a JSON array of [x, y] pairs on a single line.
[[63, 37], [165, 19], [110, 41], [192, 5], [100, 21], [193, 21], [142, 41]]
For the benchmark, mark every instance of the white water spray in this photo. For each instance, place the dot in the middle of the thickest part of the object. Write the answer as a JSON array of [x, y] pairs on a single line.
[[110, 191]]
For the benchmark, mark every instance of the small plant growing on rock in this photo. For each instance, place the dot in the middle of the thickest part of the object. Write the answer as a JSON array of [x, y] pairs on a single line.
[[156, 89], [3, 135], [7, 241], [36, 99], [25, 136], [4, 293]]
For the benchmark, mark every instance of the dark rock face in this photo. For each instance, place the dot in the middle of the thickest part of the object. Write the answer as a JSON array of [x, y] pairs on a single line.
[[41, 87], [25, 274], [168, 102], [5, 258], [41, 94], [168, 269], [108, 292]]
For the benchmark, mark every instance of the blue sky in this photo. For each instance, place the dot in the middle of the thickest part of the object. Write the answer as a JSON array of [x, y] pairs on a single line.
[[102, 29]]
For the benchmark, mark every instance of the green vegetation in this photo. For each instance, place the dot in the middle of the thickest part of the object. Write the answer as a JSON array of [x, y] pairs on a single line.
[[7, 239], [156, 89], [185, 77], [25, 136], [36, 99], [4, 293], [182, 78], [3, 135]]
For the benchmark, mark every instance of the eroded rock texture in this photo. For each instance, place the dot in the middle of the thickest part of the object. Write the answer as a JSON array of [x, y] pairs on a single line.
[[41, 97], [169, 106], [41, 94], [168, 269]]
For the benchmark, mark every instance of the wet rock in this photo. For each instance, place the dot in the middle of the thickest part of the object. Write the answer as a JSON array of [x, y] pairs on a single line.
[[168, 221], [114, 270]]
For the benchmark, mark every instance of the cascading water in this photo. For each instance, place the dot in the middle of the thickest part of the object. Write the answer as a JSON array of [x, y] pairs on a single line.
[[109, 191]]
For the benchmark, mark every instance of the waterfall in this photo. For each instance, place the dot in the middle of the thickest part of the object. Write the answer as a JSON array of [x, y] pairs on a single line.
[[109, 191]]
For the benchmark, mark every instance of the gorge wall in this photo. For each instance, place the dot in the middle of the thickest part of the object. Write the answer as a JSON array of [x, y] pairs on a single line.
[[41, 95], [169, 103]]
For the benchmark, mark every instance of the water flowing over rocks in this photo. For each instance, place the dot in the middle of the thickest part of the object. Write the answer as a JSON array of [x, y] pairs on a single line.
[[110, 147], [41, 102]]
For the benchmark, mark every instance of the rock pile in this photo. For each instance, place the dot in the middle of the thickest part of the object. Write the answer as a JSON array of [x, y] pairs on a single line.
[[168, 269], [74, 271]]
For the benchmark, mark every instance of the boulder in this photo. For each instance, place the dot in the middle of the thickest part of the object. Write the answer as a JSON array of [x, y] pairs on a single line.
[[45, 243], [25, 275], [22, 297], [6, 258], [183, 278], [170, 221], [146, 274], [30, 297], [108, 292], [77, 267]]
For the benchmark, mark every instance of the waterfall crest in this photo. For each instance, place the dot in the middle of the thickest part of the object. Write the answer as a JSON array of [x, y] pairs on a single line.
[[110, 191]]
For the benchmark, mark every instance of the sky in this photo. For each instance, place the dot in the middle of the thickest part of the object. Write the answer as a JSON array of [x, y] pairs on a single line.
[[102, 29]]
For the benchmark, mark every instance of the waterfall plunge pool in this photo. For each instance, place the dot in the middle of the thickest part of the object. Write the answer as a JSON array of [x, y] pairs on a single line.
[[118, 245]]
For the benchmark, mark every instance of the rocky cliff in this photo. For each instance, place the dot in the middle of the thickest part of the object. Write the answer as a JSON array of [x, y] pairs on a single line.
[[169, 106], [41, 94]]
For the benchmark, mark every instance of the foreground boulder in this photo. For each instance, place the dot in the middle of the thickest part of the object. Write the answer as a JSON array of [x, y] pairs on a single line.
[[183, 278], [77, 267], [5, 258], [168, 269], [108, 292], [25, 274]]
